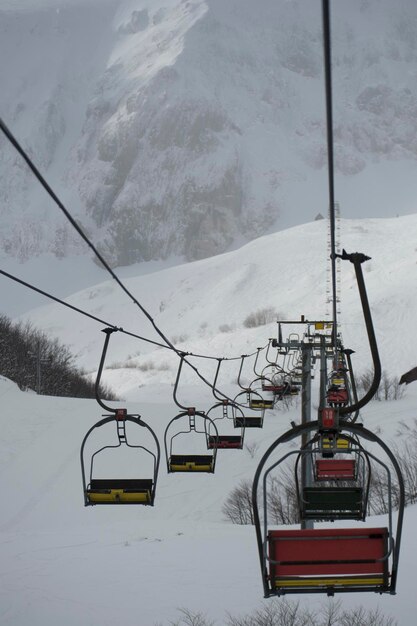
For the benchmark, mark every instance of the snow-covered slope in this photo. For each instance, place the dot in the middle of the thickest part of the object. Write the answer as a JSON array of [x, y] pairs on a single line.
[[63, 563], [185, 128], [202, 306]]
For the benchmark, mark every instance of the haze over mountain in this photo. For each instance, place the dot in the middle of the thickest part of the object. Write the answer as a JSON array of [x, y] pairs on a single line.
[[185, 128]]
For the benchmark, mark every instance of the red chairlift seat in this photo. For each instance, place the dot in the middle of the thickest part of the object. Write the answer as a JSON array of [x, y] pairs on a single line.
[[335, 469], [337, 397], [329, 560], [225, 442]]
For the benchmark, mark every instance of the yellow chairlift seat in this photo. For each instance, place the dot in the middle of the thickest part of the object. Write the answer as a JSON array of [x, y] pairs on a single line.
[[339, 443], [261, 403], [119, 491]]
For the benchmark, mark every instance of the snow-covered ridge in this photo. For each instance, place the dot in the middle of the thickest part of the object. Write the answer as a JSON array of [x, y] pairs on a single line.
[[202, 306], [185, 128]]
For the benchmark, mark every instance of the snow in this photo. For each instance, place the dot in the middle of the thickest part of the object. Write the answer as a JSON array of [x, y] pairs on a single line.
[[61, 562]]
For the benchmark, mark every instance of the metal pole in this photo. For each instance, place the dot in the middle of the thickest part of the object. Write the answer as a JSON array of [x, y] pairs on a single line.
[[306, 467], [38, 368], [323, 372]]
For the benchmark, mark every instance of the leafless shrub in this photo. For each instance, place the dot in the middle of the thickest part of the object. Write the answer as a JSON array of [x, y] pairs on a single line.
[[252, 448], [225, 328], [282, 501], [179, 338], [261, 317], [189, 618], [238, 506], [121, 365], [365, 617], [389, 388], [406, 454], [287, 402], [285, 612], [146, 366], [378, 494]]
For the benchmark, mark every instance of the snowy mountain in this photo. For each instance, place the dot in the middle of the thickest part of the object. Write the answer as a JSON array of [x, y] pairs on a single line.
[[175, 128]]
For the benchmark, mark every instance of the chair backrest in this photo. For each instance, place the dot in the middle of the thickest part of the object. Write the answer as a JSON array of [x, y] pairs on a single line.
[[335, 469], [329, 552]]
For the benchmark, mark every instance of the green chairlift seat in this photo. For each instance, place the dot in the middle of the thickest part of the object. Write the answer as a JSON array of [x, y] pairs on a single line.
[[331, 503]]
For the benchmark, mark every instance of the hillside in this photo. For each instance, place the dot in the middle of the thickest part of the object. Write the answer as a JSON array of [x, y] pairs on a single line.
[[202, 305]]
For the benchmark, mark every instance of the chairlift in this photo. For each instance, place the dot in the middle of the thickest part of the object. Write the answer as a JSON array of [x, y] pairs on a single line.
[[245, 414], [226, 412], [329, 499], [127, 490], [327, 560], [222, 415], [259, 398], [332, 560], [250, 402], [337, 392], [193, 422]]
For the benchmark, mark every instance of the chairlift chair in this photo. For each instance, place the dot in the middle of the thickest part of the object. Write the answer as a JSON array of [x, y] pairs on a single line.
[[127, 490], [244, 413], [196, 422], [120, 490], [226, 441], [222, 413], [337, 392], [191, 462], [327, 560], [258, 398]]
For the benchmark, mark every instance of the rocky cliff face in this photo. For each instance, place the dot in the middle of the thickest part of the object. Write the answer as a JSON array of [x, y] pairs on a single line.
[[174, 127]]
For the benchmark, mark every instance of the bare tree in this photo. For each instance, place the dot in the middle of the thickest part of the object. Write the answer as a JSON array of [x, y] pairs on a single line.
[[189, 618], [238, 506], [389, 388], [282, 501], [282, 613], [285, 612], [363, 617]]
